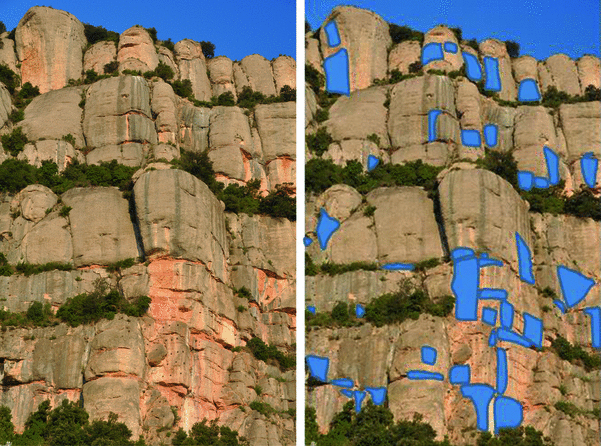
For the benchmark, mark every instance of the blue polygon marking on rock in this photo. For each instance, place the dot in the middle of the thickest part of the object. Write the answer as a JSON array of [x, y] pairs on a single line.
[[491, 134], [473, 68], [525, 180], [450, 47], [471, 138], [422, 374], [378, 394], [347, 393], [359, 396], [524, 260], [372, 162], [508, 413], [552, 161], [431, 52], [307, 241], [559, 304], [311, 309], [359, 310], [588, 167], [489, 316], [343, 382], [541, 183], [574, 285], [506, 314], [533, 329], [480, 395], [493, 78], [332, 32], [336, 67], [326, 226], [501, 370], [398, 266], [428, 355], [432, 119], [318, 367], [595, 314], [528, 91], [459, 374]]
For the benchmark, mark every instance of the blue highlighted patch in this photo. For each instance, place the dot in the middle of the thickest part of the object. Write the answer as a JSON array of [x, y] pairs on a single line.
[[432, 118], [491, 134], [423, 375], [431, 52], [541, 183], [318, 367], [493, 78], [473, 68], [343, 382], [588, 167], [481, 396], [525, 180], [311, 309], [359, 311], [489, 316], [508, 413], [359, 397], [524, 260], [332, 32], [450, 47], [428, 355], [574, 285], [559, 304], [552, 161], [307, 241], [347, 393], [372, 162], [378, 394], [459, 374], [336, 67], [501, 370], [528, 91], [326, 226], [533, 330], [398, 266], [506, 314], [471, 138]]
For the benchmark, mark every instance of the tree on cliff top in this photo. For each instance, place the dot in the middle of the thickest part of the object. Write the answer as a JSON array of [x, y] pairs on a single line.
[[208, 49]]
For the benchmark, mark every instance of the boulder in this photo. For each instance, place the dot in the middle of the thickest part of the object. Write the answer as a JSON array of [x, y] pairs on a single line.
[[101, 226], [7, 52], [589, 71], [452, 61], [192, 66], [60, 152], [164, 107], [365, 36], [180, 217], [136, 50], [48, 241], [580, 123], [50, 46], [564, 74]]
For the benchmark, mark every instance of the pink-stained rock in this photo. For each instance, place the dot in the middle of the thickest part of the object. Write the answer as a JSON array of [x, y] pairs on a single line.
[[164, 106], [98, 55], [136, 50], [49, 45]]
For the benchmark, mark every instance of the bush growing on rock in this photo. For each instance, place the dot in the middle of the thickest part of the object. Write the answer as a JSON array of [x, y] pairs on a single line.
[[98, 33], [15, 141], [226, 98], [208, 49], [264, 352], [9, 78], [203, 433], [319, 142], [314, 78], [111, 67], [182, 88], [399, 34], [288, 94], [513, 48]]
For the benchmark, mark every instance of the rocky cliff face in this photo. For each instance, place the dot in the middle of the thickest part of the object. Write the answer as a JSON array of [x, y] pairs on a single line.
[[475, 208], [182, 361]]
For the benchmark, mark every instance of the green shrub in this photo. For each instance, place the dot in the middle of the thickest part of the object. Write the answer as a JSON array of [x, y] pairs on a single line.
[[399, 34], [333, 269], [318, 142], [426, 264], [258, 390], [241, 308], [70, 139], [111, 67], [513, 48], [592, 93], [208, 49], [169, 44], [164, 71], [98, 33], [458, 33], [567, 408], [374, 138], [279, 203], [288, 94], [249, 98], [264, 352], [322, 174], [15, 141], [548, 292], [583, 204], [64, 212], [314, 78], [575, 354], [204, 433], [369, 211], [407, 303], [226, 98], [200, 165], [182, 88], [322, 115], [473, 43], [244, 293], [310, 267], [120, 265], [16, 116], [263, 408], [553, 98], [9, 78]]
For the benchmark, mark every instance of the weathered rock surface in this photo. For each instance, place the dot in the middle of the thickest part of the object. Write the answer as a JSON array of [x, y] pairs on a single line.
[[452, 61], [192, 66], [49, 45], [136, 50], [98, 55], [259, 74], [365, 36], [404, 54], [284, 72], [221, 70]]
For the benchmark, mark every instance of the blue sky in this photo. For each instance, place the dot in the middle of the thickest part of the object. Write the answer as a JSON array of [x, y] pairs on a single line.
[[236, 27], [541, 27]]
